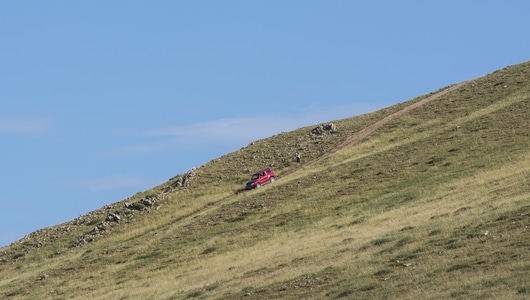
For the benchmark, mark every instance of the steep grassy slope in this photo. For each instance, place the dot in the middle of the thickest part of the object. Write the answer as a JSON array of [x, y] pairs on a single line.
[[433, 204]]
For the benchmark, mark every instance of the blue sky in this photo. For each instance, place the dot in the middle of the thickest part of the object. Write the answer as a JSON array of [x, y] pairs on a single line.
[[103, 99]]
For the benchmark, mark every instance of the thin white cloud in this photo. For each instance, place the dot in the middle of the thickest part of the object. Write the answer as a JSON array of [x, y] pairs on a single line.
[[29, 125], [115, 182], [234, 129], [234, 132]]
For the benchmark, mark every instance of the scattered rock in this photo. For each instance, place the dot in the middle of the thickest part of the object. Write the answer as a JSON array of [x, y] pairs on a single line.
[[133, 206], [148, 201], [43, 276], [113, 218]]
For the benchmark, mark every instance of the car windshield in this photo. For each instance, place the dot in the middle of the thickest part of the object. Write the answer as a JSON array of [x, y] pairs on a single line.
[[255, 176]]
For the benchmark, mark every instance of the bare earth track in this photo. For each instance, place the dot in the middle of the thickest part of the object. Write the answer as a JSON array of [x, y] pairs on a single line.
[[362, 134]]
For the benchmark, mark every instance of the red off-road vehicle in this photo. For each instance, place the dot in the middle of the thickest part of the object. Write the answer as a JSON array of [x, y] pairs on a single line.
[[260, 178]]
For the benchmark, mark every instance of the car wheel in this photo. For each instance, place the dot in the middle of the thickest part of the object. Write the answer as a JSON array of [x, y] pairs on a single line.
[[271, 179], [258, 185]]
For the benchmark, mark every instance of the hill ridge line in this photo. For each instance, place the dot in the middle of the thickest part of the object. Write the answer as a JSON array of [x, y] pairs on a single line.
[[365, 132]]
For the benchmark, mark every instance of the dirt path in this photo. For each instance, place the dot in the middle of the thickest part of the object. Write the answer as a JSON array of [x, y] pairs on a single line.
[[362, 134]]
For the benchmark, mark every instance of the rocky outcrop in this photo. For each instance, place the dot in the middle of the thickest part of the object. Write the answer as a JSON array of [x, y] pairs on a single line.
[[181, 182], [143, 204], [323, 129]]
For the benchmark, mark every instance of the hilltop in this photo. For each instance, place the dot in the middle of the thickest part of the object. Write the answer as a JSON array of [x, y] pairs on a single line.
[[425, 199]]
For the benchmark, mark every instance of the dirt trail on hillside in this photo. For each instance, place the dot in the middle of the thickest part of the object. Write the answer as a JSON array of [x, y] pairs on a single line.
[[362, 134]]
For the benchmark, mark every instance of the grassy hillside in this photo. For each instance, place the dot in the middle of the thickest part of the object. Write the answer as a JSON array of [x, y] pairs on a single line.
[[430, 203]]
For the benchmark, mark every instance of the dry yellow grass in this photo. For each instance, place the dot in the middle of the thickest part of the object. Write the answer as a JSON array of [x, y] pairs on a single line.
[[431, 205]]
